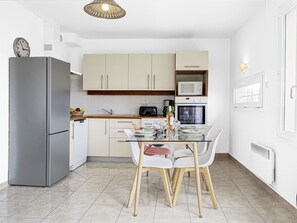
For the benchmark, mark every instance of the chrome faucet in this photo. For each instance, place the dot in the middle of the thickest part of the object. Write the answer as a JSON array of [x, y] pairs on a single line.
[[110, 112]]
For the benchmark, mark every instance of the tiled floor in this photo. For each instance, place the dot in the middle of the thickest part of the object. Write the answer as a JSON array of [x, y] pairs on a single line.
[[96, 192]]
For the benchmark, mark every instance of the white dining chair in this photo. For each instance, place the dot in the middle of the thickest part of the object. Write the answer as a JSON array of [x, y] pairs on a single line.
[[202, 147], [150, 163], [187, 164]]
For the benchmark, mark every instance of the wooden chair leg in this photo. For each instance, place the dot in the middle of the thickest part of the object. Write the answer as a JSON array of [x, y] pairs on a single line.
[[166, 186], [147, 173], [189, 174], [168, 179], [178, 184], [174, 180], [210, 187], [204, 180], [132, 193]]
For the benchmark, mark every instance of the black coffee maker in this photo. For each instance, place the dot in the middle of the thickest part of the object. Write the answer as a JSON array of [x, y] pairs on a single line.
[[167, 103]]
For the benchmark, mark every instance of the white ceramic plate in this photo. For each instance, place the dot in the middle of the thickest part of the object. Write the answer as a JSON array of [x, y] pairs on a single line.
[[191, 131], [145, 131]]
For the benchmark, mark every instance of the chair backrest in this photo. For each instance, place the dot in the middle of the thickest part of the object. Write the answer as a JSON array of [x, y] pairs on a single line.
[[210, 153], [134, 146], [202, 147]]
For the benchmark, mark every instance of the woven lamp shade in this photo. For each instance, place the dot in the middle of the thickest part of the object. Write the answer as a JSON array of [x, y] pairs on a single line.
[[96, 9]]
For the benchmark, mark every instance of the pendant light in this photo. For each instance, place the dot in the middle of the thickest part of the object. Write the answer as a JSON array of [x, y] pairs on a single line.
[[106, 9]]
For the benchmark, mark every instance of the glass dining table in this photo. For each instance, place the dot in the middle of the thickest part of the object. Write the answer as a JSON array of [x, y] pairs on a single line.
[[175, 138]]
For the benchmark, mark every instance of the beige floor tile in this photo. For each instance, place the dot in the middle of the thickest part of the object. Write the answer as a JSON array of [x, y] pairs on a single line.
[[233, 200], [4, 194], [226, 189], [22, 220], [252, 190], [9, 208], [100, 179], [117, 199], [276, 215], [145, 214], [24, 196], [242, 215], [92, 187], [60, 187], [243, 181], [59, 221], [102, 213], [2, 219], [69, 212], [54, 197], [263, 201], [81, 198], [177, 212], [35, 210], [209, 215], [173, 220]]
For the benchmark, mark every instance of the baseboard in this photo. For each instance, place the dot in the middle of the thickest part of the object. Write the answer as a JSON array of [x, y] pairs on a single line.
[[221, 155], [279, 198], [110, 159]]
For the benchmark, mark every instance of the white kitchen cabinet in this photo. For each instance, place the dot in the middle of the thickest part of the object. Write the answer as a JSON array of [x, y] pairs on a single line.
[[192, 60], [78, 143], [140, 71], [98, 140], [163, 72], [94, 72], [117, 72], [119, 148]]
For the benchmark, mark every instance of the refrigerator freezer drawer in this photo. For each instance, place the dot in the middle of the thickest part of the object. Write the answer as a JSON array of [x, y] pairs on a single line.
[[58, 157]]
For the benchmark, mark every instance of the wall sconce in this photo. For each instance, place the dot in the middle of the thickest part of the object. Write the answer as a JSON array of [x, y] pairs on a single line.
[[243, 67]]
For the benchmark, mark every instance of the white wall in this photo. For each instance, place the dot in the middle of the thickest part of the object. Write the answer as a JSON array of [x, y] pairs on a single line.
[[257, 43], [20, 23], [219, 69]]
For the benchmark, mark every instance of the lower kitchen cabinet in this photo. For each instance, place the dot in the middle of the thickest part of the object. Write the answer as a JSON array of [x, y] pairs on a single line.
[[107, 136], [118, 148], [98, 137]]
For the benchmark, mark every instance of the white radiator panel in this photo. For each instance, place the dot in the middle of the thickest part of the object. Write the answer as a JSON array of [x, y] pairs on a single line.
[[263, 162]]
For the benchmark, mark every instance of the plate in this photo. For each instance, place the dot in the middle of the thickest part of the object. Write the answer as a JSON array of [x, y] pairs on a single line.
[[188, 127], [191, 131], [145, 131]]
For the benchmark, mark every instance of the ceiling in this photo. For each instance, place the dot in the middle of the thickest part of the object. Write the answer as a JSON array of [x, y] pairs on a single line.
[[150, 18]]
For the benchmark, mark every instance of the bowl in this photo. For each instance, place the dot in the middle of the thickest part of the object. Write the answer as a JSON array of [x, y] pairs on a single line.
[[77, 113]]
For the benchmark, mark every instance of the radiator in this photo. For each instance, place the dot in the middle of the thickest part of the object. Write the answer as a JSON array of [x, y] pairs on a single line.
[[263, 162]]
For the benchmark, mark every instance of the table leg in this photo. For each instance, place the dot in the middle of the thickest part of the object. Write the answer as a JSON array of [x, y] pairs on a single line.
[[198, 185], [141, 152]]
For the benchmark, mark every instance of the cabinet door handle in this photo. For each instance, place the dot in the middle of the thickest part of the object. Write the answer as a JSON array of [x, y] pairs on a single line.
[[190, 66], [73, 131], [148, 81], [154, 78], [105, 127], [291, 91], [101, 81], [106, 81], [121, 131], [125, 122]]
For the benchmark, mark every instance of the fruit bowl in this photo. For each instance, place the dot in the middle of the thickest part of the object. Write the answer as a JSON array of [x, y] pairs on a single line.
[[77, 111]]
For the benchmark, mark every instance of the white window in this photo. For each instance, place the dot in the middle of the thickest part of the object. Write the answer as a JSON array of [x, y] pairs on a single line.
[[288, 120]]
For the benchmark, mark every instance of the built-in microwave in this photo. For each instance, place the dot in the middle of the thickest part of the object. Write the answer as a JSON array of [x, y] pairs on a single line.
[[190, 88], [191, 111]]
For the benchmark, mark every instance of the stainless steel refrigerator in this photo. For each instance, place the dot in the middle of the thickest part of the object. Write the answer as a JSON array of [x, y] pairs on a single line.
[[39, 100]]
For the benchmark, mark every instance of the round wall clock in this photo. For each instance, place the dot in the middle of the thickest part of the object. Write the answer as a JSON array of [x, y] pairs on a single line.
[[21, 47]]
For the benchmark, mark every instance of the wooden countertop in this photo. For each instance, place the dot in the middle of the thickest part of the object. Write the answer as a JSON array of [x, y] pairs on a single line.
[[112, 116]]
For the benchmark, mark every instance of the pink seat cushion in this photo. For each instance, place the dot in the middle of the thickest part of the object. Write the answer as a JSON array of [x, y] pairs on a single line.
[[156, 151]]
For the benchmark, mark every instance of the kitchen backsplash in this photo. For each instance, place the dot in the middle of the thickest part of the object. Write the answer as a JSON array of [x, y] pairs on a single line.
[[119, 104]]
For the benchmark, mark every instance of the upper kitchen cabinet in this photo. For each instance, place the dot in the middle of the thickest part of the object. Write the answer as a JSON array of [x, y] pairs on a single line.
[[117, 71], [140, 72], [163, 72], [192, 60], [93, 72]]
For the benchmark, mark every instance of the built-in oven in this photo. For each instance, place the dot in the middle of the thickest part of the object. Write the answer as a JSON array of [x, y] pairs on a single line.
[[191, 110]]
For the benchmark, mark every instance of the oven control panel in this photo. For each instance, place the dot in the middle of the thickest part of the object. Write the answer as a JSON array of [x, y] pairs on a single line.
[[190, 100]]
